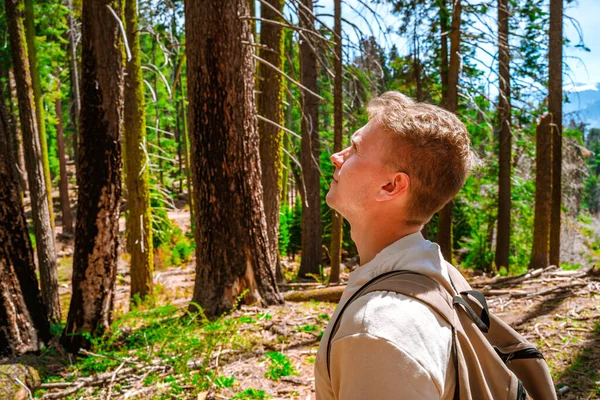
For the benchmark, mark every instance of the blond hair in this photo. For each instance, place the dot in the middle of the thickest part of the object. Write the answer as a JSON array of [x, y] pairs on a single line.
[[429, 144]]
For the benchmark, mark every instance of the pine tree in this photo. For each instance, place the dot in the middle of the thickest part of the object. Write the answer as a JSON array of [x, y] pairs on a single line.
[[336, 219], [310, 150], [139, 225], [270, 106], [33, 158], [505, 139], [99, 175], [555, 96], [22, 314], [232, 252], [37, 97], [444, 233], [67, 215], [543, 194]]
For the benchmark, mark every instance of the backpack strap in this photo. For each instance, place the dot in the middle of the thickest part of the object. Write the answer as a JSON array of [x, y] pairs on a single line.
[[417, 286]]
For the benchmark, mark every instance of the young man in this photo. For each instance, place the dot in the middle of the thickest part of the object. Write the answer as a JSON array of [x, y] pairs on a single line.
[[403, 166]]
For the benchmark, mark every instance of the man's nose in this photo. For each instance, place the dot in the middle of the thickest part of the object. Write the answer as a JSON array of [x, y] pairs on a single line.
[[337, 159]]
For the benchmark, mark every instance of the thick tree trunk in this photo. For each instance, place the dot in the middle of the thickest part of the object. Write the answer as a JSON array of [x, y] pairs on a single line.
[[270, 106], [311, 205], [337, 220], [232, 253], [22, 313], [67, 215], [505, 139], [33, 158], [540, 255], [99, 176], [555, 109], [139, 225], [74, 77], [39, 104], [444, 233]]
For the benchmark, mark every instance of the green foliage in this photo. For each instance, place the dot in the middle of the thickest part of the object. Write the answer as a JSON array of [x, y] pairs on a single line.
[[251, 394], [285, 218], [279, 365], [224, 381], [566, 266], [307, 328]]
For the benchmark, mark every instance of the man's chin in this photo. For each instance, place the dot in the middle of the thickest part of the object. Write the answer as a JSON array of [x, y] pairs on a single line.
[[330, 200]]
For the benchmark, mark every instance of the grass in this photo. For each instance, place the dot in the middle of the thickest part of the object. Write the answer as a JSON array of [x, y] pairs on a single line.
[[251, 394], [182, 341], [279, 365]]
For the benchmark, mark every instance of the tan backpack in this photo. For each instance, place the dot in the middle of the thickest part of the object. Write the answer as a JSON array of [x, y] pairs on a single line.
[[492, 360]]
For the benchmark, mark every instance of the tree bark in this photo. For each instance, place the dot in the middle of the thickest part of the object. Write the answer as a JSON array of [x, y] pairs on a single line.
[[232, 253], [311, 202], [444, 233], [505, 139], [14, 111], [555, 109], [39, 103], [270, 106], [99, 176], [337, 220], [33, 158], [22, 314], [540, 255], [139, 224], [67, 215]]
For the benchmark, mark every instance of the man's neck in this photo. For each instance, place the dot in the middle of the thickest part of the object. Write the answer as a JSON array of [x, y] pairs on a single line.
[[373, 236]]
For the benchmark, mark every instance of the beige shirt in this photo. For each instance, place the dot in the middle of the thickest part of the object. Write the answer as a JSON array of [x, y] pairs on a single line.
[[389, 346]]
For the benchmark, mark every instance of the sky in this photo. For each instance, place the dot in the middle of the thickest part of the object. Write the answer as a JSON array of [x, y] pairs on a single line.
[[582, 67], [587, 69]]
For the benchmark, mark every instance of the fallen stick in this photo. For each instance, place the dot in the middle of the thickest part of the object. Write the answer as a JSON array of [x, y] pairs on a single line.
[[500, 292], [331, 294]]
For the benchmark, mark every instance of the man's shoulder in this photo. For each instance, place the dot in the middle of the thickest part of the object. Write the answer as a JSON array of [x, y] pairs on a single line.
[[399, 319]]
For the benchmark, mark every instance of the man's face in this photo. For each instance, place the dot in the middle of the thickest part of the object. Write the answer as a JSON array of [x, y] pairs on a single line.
[[359, 173]]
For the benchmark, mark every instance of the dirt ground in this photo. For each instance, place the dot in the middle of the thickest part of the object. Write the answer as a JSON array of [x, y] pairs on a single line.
[[557, 310]]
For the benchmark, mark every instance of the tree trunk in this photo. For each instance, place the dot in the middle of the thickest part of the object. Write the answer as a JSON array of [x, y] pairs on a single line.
[[99, 175], [444, 30], [157, 119], [270, 106], [186, 150], [33, 158], [555, 109], [67, 215], [139, 225], [337, 220], [74, 77], [311, 204], [14, 111], [505, 139], [232, 253], [22, 313], [417, 62], [543, 194], [444, 233], [38, 99]]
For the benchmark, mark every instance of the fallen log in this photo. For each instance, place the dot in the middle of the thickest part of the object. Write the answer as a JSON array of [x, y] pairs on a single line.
[[330, 294]]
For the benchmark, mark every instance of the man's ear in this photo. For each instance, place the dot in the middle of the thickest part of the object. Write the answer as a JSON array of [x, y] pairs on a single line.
[[397, 186]]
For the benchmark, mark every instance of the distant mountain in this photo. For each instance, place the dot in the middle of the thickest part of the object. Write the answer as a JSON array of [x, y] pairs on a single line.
[[582, 104]]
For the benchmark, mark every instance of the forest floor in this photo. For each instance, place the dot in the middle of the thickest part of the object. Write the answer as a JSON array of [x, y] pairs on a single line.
[[165, 352]]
